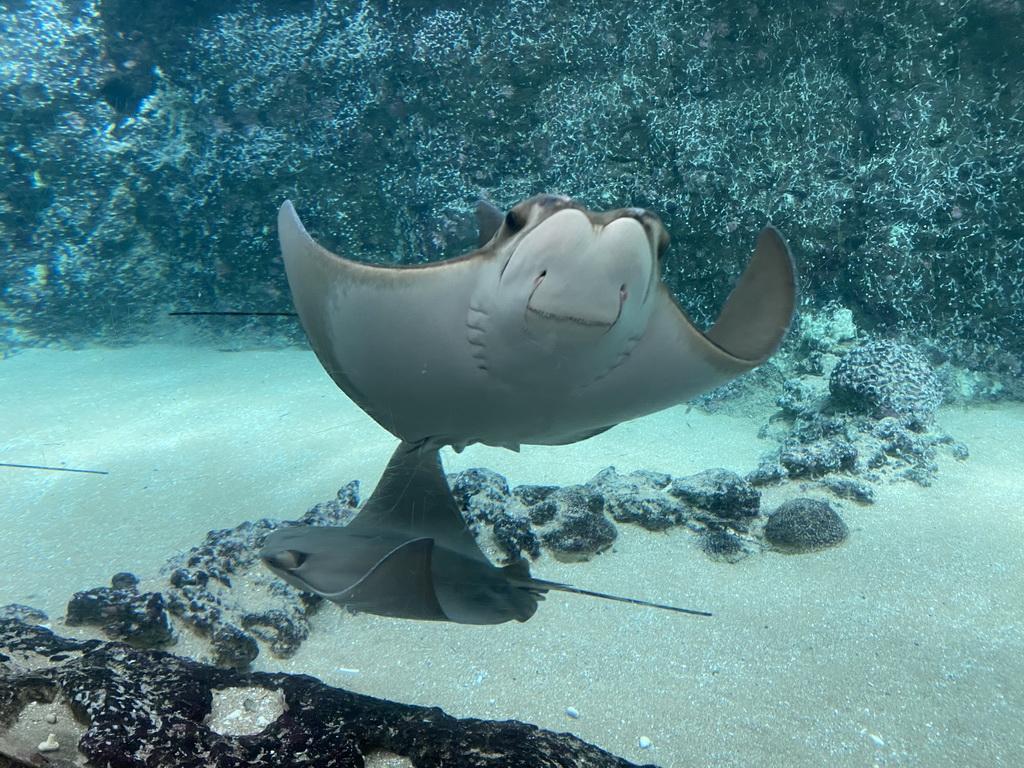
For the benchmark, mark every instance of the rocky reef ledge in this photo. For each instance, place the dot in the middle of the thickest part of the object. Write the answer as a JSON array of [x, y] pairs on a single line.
[[64, 702]]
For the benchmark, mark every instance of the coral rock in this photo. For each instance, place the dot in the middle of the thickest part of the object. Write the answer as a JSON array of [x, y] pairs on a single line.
[[571, 519], [805, 525], [123, 614], [723, 494], [884, 378], [638, 498]]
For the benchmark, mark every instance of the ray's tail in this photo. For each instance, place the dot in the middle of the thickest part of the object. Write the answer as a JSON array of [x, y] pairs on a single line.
[[541, 584]]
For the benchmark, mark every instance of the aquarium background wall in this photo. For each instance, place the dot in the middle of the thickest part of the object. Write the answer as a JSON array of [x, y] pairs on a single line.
[[147, 145]]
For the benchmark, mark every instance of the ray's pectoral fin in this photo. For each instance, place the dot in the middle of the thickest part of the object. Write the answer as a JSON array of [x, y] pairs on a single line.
[[674, 360], [407, 564], [758, 312]]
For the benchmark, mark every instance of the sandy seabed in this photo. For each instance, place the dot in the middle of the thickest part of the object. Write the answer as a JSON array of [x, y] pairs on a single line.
[[903, 647]]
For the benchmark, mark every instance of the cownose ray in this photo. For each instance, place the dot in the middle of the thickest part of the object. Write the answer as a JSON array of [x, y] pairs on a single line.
[[556, 329]]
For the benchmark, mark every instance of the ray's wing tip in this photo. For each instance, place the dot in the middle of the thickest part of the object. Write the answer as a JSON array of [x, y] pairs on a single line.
[[291, 232], [287, 214], [770, 238], [772, 247], [759, 312], [786, 291]]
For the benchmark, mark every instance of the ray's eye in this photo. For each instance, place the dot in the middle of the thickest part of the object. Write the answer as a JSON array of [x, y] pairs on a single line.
[[288, 560], [662, 245], [513, 222]]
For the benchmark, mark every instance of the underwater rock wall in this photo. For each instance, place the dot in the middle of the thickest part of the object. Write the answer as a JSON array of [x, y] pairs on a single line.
[[146, 149]]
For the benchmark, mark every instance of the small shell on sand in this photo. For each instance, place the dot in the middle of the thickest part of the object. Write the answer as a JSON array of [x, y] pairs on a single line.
[[50, 745]]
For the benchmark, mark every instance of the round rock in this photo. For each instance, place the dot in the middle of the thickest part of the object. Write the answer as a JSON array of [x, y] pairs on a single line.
[[805, 525]]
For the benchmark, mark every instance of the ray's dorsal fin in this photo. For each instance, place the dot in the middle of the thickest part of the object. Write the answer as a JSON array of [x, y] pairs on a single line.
[[413, 497]]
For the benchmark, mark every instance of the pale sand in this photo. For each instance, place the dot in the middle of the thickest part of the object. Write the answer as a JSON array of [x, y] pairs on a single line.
[[905, 646]]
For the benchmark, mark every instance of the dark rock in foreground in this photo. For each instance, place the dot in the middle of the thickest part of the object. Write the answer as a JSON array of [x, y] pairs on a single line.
[[135, 709], [25, 613], [720, 493], [570, 520], [123, 613]]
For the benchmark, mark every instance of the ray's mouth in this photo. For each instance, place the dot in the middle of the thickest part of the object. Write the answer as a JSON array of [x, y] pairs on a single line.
[[569, 318], [574, 319]]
